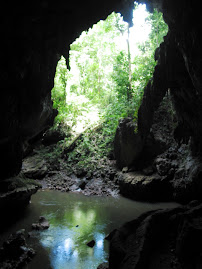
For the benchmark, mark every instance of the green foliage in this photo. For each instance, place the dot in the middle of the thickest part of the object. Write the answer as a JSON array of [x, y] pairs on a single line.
[[59, 91], [120, 75], [96, 88], [159, 28], [143, 64], [91, 61]]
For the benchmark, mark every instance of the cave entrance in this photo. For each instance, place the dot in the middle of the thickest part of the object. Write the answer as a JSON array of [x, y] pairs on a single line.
[[110, 65]]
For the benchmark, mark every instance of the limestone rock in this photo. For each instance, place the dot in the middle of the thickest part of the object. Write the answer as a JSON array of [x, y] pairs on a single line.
[[127, 144], [138, 186], [34, 167], [169, 238], [15, 194]]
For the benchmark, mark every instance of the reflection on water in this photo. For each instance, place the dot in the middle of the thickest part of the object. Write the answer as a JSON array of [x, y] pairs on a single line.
[[71, 228], [74, 221]]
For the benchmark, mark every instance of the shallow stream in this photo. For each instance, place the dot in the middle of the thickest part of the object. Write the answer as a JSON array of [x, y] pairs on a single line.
[[75, 220]]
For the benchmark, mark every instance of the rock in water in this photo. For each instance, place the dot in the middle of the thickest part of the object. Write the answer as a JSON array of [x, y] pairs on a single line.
[[91, 244], [43, 224]]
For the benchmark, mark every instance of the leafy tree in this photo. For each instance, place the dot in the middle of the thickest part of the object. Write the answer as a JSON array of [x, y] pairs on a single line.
[[143, 64], [92, 55], [59, 91], [104, 77]]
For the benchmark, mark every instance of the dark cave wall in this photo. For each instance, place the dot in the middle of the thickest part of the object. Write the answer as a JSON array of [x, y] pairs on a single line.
[[178, 69], [34, 35]]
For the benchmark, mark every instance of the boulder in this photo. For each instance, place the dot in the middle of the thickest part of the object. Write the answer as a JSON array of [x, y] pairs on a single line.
[[34, 167], [43, 224], [127, 144], [138, 186], [169, 238], [15, 194], [91, 244], [52, 136]]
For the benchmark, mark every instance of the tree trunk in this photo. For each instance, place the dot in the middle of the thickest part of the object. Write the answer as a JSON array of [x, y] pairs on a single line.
[[129, 90]]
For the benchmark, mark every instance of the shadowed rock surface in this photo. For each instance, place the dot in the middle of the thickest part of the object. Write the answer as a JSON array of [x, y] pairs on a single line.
[[15, 252], [159, 239]]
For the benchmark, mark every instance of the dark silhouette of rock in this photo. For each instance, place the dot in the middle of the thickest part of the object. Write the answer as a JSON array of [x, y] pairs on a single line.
[[103, 266], [91, 244], [43, 224], [160, 239], [52, 136], [127, 144], [15, 253]]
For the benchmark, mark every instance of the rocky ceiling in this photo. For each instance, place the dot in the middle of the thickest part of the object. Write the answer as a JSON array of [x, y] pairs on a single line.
[[35, 34]]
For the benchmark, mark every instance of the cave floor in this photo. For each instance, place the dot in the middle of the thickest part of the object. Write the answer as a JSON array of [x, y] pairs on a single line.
[[53, 173]]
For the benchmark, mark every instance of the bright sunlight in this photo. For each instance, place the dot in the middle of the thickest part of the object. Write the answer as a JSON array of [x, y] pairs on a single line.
[[140, 31]]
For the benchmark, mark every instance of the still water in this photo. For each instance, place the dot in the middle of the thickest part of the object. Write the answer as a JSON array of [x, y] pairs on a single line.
[[75, 220]]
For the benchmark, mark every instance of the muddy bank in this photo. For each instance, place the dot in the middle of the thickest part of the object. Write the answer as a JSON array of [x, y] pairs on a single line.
[[46, 165]]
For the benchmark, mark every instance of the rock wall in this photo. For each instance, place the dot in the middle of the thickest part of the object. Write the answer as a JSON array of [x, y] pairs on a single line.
[[159, 239], [33, 37], [179, 69], [178, 72]]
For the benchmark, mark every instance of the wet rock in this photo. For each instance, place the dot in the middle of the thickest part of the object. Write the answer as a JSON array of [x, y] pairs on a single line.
[[34, 167], [138, 186], [15, 194], [14, 253], [91, 244], [168, 238], [43, 224], [103, 266]]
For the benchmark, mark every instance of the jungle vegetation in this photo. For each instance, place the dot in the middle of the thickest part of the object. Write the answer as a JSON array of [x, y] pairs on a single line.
[[110, 65]]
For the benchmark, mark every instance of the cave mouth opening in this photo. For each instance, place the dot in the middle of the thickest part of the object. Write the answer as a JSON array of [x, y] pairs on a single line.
[[110, 65]]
